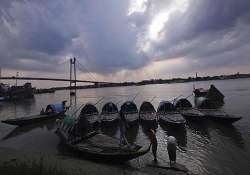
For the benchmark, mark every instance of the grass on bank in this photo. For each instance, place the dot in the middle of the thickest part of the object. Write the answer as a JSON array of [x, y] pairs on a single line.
[[16, 167]]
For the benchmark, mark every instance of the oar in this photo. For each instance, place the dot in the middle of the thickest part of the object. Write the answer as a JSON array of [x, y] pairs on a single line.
[[189, 96], [177, 98], [135, 96], [99, 100], [152, 99], [77, 109], [118, 102]]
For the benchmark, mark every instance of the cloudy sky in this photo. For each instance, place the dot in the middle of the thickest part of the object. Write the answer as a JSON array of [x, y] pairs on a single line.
[[125, 40]]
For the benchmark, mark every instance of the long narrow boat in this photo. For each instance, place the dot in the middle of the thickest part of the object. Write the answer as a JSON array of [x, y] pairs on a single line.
[[219, 116], [109, 113], [100, 147], [32, 119], [130, 111], [185, 108], [90, 112], [167, 114], [147, 112], [209, 109], [52, 111]]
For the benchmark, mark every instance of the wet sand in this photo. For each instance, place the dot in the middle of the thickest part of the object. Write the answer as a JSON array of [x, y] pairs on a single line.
[[77, 165]]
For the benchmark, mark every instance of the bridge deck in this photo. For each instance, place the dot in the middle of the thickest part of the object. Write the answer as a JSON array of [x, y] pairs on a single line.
[[50, 79]]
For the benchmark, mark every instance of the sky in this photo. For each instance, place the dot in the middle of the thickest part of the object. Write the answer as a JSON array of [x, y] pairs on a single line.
[[124, 40]]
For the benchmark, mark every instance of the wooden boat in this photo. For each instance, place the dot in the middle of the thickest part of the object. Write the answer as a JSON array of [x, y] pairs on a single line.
[[130, 111], [147, 112], [100, 147], [219, 116], [32, 119], [109, 113], [205, 103], [200, 92], [185, 108], [167, 113], [90, 112], [52, 111], [212, 94]]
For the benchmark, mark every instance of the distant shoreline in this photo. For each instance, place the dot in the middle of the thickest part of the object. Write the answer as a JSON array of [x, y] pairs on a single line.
[[158, 81]]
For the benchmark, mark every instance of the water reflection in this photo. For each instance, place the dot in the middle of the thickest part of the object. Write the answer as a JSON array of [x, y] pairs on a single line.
[[131, 133], [228, 131], [49, 125], [179, 133], [199, 128]]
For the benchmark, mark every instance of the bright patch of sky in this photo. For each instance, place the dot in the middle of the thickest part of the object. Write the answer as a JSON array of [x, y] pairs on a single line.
[[161, 18], [137, 6]]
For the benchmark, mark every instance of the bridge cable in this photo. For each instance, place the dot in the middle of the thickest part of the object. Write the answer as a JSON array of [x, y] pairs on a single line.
[[86, 70], [81, 70]]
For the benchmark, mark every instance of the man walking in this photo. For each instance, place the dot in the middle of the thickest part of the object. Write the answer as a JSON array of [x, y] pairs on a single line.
[[154, 143]]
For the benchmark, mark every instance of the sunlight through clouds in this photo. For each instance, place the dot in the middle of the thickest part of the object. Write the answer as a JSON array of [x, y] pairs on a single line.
[[161, 18], [137, 6], [116, 39]]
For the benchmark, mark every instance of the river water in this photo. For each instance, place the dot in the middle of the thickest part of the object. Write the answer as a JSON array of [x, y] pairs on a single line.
[[206, 148]]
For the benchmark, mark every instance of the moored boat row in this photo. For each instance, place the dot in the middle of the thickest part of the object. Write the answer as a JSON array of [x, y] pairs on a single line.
[[175, 113]]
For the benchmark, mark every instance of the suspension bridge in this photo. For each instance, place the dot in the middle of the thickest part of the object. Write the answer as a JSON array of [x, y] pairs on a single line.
[[52, 79], [72, 79]]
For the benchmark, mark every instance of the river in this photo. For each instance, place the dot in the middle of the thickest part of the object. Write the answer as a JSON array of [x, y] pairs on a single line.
[[206, 148]]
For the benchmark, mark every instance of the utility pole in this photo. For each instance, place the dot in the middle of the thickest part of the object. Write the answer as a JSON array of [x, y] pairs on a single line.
[[75, 71], [0, 73], [16, 77], [72, 77]]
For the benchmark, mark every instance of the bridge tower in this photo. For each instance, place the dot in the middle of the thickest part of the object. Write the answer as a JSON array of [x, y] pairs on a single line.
[[72, 83]]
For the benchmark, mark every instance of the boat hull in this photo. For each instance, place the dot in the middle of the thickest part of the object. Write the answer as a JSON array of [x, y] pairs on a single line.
[[109, 118], [131, 117], [114, 157], [192, 115], [219, 116], [172, 119], [32, 119]]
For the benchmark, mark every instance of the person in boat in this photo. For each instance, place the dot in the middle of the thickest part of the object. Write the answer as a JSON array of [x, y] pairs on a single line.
[[55, 108], [64, 105], [172, 146], [123, 125]]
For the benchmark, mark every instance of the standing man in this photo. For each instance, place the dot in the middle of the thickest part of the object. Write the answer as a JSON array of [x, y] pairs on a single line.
[[154, 143], [123, 126], [172, 145]]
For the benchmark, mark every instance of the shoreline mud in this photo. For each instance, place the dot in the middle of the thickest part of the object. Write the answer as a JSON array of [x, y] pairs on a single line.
[[16, 162]]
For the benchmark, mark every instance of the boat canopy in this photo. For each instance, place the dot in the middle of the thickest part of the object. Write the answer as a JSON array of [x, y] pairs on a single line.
[[147, 106], [55, 107], [214, 94], [129, 106], [109, 107], [205, 103], [89, 109], [165, 106], [183, 103]]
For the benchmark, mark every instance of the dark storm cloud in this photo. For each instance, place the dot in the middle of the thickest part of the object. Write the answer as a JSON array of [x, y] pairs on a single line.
[[36, 35], [207, 31]]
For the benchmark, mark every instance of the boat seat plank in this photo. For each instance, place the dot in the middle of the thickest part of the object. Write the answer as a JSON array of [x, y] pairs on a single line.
[[101, 140]]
